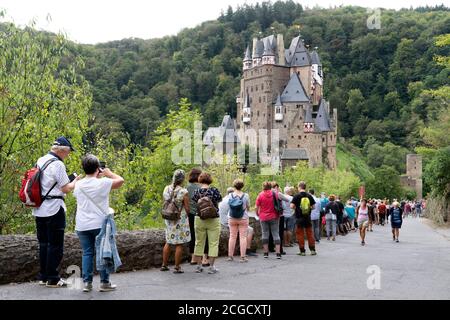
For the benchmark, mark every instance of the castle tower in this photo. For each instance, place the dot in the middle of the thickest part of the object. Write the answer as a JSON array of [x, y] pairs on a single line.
[[278, 109], [268, 56], [247, 63], [414, 172]]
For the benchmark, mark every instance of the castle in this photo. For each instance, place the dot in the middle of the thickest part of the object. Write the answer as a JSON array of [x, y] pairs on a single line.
[[283, 89]]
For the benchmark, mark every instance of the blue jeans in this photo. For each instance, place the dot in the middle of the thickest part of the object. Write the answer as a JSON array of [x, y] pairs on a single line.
[[87, 240]]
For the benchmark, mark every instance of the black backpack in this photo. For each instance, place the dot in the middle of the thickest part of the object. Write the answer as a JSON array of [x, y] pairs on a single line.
[[278, 205]]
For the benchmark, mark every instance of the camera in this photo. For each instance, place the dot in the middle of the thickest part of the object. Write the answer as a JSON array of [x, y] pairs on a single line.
[[102, 164], [73, 176]]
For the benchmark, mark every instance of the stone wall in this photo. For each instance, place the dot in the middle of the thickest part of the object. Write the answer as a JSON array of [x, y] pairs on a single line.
[[137, 249]]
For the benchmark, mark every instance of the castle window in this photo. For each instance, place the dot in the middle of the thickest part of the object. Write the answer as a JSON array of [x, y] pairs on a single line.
[[298, 127], [300, 137], [259, 99], [264, 115], [264, 98], [298, 146], [292, 137], [251, 89], [252, 72], [305, 137], [285, 126], [256, 88], [251, 100], [323, 139], [257, 113], [284, 110], [262, 86]]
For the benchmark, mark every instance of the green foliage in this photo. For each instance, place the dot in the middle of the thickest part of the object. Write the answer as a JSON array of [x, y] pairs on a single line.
[[385, 184], [437, 173], [41, 98], [351, 159]]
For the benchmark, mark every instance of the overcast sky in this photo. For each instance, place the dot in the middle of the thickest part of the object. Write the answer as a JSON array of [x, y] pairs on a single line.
[[93, 21]]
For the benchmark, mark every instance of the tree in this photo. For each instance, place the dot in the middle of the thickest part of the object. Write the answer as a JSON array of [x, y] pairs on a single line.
[[385, 184], [39, 101]]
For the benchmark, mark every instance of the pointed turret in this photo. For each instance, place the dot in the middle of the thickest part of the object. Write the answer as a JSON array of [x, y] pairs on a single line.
[[298, 55], [278, 109], [308, 125], [247, 59], [322, 122], [246, 112]]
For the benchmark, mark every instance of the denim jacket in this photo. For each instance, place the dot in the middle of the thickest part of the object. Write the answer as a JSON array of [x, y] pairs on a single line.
[[107, 256]]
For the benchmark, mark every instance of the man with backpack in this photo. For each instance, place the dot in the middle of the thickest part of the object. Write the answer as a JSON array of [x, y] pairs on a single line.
[[51, 214], [303, 203]]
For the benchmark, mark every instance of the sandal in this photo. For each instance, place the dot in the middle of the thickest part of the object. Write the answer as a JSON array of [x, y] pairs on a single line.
[[164, 268], [178, 270]]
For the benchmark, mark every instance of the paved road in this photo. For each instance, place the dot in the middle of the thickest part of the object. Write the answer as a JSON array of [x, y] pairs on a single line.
[[416, 268]]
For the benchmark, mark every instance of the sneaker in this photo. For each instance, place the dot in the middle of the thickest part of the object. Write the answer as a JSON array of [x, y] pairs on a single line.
[[283, 253], [301, 254], [334, 239], [105, 287], [278, 256], [250, 253], [230, 259], [212, 270], [266, 255], [60, 284], [363, 243], [42, 283], [199, 269], [87, 287], [397, 241], [243, 260], [313, 253]]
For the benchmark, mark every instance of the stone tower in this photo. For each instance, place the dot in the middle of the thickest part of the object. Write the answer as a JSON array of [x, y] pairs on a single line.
[[413, 178]]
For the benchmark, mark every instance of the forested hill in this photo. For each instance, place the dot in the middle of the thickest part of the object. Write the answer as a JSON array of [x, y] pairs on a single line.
[[376, 78]]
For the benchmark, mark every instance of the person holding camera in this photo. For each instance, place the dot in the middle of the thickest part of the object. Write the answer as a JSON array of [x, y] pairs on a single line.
[[177, 231], [51, 215], [92, 195]]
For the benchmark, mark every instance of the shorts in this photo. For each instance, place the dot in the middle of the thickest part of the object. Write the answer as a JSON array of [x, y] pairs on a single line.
[[363, 223], [289, 223]]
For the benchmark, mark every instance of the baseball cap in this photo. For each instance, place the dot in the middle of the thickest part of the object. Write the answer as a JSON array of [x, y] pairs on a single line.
[[64, 142]]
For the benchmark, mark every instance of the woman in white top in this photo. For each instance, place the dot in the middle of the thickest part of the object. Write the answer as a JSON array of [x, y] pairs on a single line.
[[364, 219], [92, 194]]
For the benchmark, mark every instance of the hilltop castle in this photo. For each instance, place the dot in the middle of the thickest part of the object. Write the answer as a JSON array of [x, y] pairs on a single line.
[[283, 89]]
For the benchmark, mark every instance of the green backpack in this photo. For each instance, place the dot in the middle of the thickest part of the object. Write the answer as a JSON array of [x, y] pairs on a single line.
[[305, 206]]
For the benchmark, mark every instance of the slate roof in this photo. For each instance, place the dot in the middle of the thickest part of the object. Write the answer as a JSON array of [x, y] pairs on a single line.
[[308, 115], [315, 58], [322, 122], [294, 154], [294, 91], [248, 55], [278, 102], [297, 55]]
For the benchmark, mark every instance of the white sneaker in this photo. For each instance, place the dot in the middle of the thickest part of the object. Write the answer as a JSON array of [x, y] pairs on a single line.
[[105, 287], [87, 287], [61, 284], [42, 283], [213, 270]]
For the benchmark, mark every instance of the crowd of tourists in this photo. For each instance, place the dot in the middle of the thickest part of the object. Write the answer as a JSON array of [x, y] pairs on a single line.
[[194, 214]]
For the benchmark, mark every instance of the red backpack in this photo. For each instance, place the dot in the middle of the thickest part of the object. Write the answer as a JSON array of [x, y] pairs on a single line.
[[30, 192]]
